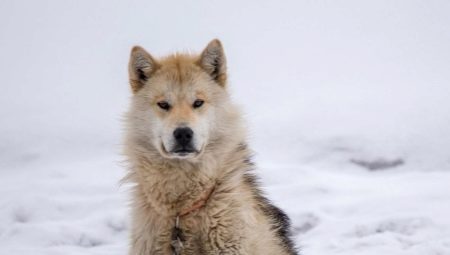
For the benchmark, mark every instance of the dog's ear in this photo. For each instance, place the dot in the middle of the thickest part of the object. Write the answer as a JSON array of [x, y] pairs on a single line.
[[213, 61], [142, 65]]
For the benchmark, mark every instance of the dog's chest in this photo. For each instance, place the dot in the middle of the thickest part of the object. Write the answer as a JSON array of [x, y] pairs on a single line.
[[189, 235]]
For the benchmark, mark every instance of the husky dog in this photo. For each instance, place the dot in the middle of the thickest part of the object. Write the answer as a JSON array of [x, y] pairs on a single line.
[[194, 190]]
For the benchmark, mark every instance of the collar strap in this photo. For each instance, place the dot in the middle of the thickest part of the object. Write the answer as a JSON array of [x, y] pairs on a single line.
[[198, 204]]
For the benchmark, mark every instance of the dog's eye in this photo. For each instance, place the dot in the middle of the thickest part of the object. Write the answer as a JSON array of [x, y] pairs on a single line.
[[198, 103], [164, 105]]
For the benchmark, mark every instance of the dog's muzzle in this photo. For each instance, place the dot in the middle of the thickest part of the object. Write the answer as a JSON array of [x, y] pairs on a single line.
[[183, 141]]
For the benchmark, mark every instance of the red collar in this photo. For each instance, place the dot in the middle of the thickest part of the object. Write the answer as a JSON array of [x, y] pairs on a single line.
[[198, 204]]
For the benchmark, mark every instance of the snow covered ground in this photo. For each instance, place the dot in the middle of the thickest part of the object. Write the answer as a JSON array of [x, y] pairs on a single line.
[[347, 105]]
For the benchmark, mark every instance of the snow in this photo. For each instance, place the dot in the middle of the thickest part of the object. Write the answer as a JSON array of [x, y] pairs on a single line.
[[347, 107]]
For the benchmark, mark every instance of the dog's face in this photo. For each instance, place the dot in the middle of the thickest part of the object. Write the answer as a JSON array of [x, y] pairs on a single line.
[[177, 98]]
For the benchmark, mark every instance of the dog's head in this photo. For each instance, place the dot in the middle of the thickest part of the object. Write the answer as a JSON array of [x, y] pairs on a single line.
[[177, 99]]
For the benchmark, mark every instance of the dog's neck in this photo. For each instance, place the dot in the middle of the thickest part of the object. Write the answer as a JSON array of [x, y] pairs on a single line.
[[171, 187], [201, 202]]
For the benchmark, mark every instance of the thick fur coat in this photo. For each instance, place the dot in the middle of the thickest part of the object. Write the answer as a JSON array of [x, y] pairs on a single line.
[[235, 217]]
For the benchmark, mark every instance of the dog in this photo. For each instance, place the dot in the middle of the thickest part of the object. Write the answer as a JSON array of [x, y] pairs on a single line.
[[195, 191]]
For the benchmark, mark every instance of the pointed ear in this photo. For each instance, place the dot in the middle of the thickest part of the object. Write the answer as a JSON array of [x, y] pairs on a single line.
[[213, 61], [141, 67]]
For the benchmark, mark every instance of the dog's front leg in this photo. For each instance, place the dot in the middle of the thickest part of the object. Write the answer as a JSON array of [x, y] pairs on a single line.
[[147, 247], [146, 241]]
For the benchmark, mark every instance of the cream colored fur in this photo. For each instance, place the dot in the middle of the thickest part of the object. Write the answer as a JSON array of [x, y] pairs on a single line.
[[231, 222]]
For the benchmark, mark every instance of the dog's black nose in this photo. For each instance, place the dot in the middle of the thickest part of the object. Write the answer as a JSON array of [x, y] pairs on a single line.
[[183, 136]]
